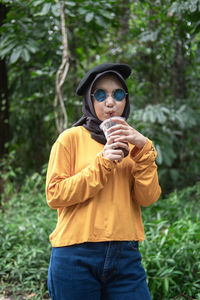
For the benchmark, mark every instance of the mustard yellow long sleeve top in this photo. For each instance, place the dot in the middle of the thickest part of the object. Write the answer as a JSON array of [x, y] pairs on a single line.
[[98, 200]]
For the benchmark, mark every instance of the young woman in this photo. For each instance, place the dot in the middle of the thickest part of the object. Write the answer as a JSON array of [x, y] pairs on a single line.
[[98, 193]]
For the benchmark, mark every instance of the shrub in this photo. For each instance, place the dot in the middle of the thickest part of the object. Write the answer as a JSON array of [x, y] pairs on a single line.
[[173, 128], [26, 222], [171, 251]]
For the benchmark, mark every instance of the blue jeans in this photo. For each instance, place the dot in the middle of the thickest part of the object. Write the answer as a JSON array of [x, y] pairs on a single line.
[[97, 271]]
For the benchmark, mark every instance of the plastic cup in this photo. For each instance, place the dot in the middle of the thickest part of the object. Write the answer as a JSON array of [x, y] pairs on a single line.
[[106, 124]]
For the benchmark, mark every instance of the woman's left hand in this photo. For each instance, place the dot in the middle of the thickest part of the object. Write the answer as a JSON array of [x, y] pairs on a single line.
[[125, 133]]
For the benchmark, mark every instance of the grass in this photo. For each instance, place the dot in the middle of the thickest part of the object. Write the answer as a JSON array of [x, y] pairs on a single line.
[[26, 222], [171, 251]]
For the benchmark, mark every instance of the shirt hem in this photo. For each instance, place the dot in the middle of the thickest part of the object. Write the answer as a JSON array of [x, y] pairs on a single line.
[[67, 243]]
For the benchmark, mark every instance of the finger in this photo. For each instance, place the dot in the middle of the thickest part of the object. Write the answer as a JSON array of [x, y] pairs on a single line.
[[121, 139], [110, 140], [115, 149], [113, 156], [118, 157], [120, 145], [117, 127], [120, 132]]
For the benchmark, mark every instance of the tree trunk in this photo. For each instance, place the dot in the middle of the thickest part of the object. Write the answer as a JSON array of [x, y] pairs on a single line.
[[4, 103], [74, 61], [179, 89], [124, 20]]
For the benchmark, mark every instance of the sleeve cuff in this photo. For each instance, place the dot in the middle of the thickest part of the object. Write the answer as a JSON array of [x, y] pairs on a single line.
[[106, 163], [136, 153]]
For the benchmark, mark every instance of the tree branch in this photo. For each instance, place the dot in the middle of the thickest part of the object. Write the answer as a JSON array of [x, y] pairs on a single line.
[[60, 113]]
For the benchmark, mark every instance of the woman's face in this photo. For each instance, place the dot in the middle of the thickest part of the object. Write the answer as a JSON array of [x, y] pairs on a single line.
[[109, 107]]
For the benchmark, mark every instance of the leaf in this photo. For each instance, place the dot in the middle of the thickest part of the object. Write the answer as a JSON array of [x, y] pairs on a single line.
[[37, 2], [25, 55], [70, 3], [55, 10], [44, 11], [32, 46], [106, 14], [36, 73], [81, 11], [6, 50], [89, 17], [145, 116], [166, 286], [149, 36], [174, 8], [159, 158], [100, 21], [181, 120], [193, 6], [161, 118], [182, 108], [152, 116], [162, 241], [46, 8], [165, 109], [16, 54], [68, 12]]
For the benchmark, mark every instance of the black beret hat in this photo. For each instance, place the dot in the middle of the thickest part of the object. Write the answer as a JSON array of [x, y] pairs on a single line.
[[123, 69]]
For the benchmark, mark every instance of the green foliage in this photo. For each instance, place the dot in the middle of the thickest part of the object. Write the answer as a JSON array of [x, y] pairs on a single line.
[[181, 7], [172, 129], [10, 173], [171, 251], [31, 42], [26, 222], [159, 39]]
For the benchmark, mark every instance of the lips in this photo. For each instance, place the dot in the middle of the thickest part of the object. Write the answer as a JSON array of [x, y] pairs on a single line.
[[110, 113]]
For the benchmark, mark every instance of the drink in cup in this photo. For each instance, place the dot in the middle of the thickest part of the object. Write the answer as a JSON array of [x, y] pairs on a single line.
[[106, 124]]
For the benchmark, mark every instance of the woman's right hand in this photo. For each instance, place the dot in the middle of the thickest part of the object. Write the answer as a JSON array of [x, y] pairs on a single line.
[[112, 152]]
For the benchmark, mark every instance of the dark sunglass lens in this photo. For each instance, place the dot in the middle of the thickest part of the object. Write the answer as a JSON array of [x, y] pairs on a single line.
[[119, 94], [100, 95]]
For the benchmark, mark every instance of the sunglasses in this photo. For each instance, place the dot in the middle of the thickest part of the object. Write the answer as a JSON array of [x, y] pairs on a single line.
[[100, 95]]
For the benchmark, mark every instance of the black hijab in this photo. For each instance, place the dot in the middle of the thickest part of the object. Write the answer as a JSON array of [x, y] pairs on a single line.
[[89, 119]]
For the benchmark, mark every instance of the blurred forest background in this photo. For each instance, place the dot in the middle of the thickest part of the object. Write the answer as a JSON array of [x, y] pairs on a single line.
[[160, 40]]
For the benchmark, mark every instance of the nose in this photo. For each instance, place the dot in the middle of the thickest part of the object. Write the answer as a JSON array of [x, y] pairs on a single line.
[[110, 101]]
